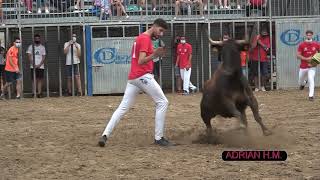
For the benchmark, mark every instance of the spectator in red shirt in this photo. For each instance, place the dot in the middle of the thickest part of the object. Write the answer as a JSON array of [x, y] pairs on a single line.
[[244, 55], [260, 48], [184, 57], [306, 50], [256, 5], [141, 79], [176, 68]]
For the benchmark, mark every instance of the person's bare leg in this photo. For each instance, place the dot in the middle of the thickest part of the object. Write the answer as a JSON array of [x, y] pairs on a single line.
[[69, 83], [40, 82], [78, 79], [18, 88], [177, 8]]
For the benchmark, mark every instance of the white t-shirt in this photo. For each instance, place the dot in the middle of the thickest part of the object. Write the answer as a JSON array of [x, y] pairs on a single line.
[[39, 52], [76, 59]]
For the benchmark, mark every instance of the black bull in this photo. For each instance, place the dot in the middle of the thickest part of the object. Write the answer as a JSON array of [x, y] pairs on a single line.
[[227, 93]]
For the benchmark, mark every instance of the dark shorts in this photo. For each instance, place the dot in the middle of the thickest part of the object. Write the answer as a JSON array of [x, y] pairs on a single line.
[[39, 73], [75, 70], [12, 76], [263, 68], [2, 70]]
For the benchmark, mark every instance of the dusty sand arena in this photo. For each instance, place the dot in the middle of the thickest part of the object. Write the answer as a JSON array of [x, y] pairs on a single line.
[[56, 138]]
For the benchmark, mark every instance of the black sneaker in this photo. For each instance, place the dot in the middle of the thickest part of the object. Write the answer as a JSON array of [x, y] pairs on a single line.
[[102, 141], [311, 98], [301, 87], [39, 95], [163, 142]]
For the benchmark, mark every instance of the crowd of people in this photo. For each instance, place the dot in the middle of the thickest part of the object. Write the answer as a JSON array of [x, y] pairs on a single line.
[[10, 68], [107, 8]]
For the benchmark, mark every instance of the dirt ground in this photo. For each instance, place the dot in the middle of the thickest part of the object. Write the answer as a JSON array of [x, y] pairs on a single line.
[[56, 138]]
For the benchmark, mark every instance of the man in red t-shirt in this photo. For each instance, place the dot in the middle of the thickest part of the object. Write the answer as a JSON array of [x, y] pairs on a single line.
[[306, 50], [184, 57], [12, 72], [141, 79], [260, 48]]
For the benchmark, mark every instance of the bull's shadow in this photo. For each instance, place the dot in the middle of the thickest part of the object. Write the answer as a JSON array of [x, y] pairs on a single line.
[[228, 93]]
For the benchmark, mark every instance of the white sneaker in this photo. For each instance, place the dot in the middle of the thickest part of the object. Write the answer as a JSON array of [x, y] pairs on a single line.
[[154, 9], [39, 11], [76, 7], [205, 7], [256, 89], [174, 18], [221, 7], [29, 12], [238, 7], [47, 11], [215, 7], [140, 9], [127, 16], [202, 17], [227, 7], [263, 89]]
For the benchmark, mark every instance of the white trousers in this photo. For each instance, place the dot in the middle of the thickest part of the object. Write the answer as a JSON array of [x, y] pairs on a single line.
[[149, 85], [185, 76], [307, 73]]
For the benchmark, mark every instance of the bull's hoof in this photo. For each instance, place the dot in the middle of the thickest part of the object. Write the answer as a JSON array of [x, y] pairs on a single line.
[[267, 132]]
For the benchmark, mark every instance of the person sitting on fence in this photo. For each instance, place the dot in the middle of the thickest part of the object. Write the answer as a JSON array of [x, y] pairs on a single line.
[[258, 5], [79, 5], [28, 4], [187, 5], [40, 3], [2, 65], [117, 4], [154, 4]]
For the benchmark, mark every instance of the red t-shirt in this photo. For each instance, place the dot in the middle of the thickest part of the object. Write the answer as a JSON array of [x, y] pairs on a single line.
[[308, 49], [254, 55], [256, 2], [142, 43], [184, 51], [243, 56], [13, 53]]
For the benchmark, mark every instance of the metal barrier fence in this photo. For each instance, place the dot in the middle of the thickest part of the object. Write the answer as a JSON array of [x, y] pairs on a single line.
[[81, 11]]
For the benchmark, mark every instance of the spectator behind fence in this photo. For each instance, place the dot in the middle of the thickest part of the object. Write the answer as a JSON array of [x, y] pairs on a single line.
[[73, 68], [1, 13], [306, 50], [260, 47], [41, 4], [104, 6], [176, 68], [118, 6], [2, 66], [39, 55], [187, 5], [244, 55], [225, 4], [28, 4], [256, 5], [156, 66], [79, 5], [12, 72], [154, 4], [184, 62]]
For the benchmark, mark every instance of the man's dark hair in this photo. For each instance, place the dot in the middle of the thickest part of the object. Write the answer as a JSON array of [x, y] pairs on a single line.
[[37, 35], [161, 23], [309, 32], [16, 38]]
